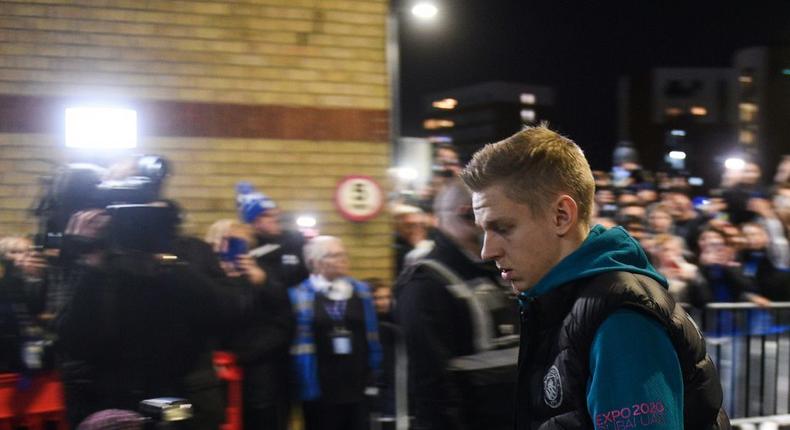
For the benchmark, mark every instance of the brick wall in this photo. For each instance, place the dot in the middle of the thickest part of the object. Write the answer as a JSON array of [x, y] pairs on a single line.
[[291, 95]]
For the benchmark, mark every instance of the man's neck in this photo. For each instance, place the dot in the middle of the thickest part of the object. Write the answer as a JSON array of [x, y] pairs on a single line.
[[572, 240]]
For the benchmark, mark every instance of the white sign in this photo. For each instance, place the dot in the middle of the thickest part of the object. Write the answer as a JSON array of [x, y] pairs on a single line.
[[359, 198]]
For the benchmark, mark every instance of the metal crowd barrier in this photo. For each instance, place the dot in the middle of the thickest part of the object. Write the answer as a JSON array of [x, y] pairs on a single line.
[[397, 416], [751, 348]]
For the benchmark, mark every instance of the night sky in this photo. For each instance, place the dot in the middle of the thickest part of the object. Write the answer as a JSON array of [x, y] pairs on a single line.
[[577, 47]]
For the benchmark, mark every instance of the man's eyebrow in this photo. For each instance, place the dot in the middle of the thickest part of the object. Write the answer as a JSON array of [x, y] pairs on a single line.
[[492, 221]]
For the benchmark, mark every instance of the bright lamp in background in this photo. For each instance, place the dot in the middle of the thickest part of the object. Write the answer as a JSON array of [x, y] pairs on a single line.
[[308, 226], [677, 155], [101, 128], [306, 221], [407, 173], [734, 163], [424, 10]]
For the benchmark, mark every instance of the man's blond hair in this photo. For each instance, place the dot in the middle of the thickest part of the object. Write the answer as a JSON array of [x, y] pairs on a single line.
[[534, 166]]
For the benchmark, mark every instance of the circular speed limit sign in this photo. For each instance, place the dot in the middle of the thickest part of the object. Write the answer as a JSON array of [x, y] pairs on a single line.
[[359, 198]]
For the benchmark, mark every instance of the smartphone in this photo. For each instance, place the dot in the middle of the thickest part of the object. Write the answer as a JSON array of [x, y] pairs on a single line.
[[235, 246]]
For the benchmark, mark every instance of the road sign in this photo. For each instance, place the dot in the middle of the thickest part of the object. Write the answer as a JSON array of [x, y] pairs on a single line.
[[359, 198]]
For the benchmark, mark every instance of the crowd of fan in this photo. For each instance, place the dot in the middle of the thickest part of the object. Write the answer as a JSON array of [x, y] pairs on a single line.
[[126, 327], [729, 245]]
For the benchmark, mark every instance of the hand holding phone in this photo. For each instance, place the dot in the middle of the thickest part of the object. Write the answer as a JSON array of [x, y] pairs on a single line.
[[233, 248], [249, 268]]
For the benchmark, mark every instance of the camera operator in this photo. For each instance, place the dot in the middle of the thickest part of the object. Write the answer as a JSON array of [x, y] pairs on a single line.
[[130, 298], [136, 327]]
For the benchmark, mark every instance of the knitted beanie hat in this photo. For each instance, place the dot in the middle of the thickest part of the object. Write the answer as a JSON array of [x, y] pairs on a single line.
[[250, 203]]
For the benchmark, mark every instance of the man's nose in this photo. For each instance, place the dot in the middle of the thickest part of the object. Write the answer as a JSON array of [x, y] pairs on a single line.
[[490, 250]]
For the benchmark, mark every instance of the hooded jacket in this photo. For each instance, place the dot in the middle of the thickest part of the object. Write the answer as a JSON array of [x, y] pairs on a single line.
[[604, 346]]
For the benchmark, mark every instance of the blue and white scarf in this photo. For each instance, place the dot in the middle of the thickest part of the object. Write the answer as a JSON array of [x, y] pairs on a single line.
[[303, 348]]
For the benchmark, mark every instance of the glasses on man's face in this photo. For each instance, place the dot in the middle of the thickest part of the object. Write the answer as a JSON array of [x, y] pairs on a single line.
[[336, 255]]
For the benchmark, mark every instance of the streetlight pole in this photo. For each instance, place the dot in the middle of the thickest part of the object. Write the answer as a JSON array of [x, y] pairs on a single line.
[[393, 69], [424, 10]]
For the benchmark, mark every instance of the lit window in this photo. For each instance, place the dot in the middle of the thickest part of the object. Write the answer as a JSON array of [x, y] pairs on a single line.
[[678, 132], [527, 115], [528, 99], [745, 79], [445, 104], [698, 111], [746, 137], [673, 111], [747, 112], [440, 139], [434, 124], [101, 128]]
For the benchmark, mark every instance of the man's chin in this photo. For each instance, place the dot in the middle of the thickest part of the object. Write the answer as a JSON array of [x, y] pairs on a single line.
[[519, 286]]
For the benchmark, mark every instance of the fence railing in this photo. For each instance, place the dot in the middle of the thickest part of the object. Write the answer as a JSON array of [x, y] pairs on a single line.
[[751, 348]]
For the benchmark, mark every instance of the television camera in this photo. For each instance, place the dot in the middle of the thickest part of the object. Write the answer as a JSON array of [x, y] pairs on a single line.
[[129, 194]]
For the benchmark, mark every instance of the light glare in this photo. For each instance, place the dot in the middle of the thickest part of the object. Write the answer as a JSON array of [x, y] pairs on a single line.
[[424, 10], [677, 155], [407, 173], [306, 221], [101, 128], [734, 163]]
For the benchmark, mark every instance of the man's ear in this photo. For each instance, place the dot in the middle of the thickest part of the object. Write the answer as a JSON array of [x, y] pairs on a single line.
[[565, 214]]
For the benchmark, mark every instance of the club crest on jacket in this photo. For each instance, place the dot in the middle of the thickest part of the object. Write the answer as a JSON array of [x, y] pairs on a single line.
[[552, 388]]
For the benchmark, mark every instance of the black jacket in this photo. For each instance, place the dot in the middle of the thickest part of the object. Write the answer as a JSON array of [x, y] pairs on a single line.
[[260, 335], [768, 280], [562, 324], [135, 329], [13, 311], [282, 258], [262, 347], [725, 283], [438, 327]]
